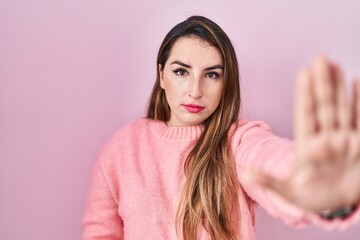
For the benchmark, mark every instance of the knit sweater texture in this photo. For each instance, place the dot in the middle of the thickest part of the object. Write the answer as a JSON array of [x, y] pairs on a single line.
[[139, 175]]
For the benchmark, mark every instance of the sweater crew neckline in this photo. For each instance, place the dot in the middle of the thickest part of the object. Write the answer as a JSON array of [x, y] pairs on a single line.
[[175, 134]]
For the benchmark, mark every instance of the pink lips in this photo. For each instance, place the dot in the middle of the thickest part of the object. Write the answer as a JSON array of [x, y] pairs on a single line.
[[193, 108]]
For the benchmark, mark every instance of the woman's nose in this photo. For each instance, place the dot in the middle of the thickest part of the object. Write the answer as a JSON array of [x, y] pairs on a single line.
[[195, 90]]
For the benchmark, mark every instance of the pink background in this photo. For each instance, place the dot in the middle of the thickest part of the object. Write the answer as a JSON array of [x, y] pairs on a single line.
[[72, 72]]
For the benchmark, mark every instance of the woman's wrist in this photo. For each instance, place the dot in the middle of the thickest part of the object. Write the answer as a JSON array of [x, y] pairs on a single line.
[[341, 213]]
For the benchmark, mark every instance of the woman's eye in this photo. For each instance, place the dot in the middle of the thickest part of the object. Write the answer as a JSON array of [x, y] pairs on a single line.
[[180, 72], [213, 75]]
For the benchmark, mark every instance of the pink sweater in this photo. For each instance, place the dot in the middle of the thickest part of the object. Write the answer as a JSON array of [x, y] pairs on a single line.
[[139, 176]]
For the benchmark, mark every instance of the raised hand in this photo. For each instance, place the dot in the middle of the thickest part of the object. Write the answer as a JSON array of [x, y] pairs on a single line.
[[326, 173]]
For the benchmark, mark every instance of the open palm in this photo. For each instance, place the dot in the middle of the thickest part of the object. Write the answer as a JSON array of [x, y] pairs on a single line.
[[326, 173]]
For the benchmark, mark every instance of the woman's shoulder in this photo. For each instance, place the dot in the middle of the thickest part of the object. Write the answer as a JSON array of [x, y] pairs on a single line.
[[134, 125], [245, 130], [243, 125], [125, 138], [130, 130]]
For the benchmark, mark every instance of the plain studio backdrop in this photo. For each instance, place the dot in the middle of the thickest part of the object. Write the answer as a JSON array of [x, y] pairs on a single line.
[[74, 71]]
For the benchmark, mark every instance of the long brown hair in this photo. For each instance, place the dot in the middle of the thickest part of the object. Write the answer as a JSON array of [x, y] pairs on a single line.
[[210, 191]]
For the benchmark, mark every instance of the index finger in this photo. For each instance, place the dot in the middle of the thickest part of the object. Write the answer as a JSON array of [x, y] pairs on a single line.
[[304, 115]]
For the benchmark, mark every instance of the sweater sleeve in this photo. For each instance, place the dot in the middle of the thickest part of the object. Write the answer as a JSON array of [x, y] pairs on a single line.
[[101, 220], [256, 147]]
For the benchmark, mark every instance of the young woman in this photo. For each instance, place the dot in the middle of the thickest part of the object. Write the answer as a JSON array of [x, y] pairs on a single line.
[[193, 170]]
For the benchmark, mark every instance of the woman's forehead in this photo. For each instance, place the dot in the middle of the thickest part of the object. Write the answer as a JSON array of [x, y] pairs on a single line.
[[195, 51]]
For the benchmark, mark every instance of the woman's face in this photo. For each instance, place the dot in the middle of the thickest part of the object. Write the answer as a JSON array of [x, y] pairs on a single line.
[[193, 80]]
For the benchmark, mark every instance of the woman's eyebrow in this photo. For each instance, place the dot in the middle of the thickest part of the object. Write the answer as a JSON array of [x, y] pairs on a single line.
[[214, 67], [188, 66], [181, 64]]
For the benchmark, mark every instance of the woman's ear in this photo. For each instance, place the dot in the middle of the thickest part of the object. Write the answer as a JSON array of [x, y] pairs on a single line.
[[161, 75]]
